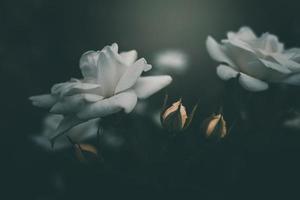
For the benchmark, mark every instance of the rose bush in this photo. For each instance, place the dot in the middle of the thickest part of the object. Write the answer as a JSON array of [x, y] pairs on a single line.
[[256, 60]]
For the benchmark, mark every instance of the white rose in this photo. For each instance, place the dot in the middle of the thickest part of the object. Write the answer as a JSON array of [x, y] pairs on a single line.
[[112, 82], [78, 134], [257, 60]]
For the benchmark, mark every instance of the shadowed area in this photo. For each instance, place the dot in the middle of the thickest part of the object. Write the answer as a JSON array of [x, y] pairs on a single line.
[[41, 42]]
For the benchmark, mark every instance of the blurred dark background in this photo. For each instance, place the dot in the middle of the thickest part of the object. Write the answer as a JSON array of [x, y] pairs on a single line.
[[40, 44]]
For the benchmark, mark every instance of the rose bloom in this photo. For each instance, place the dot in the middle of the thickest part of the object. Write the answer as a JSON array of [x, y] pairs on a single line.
[[171, 60], [111, 83], [80, 133], [257, 61]]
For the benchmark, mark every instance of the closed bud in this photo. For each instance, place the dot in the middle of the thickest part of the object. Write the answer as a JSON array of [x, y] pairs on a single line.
[[175, 117], [85, 152], [215, 127]]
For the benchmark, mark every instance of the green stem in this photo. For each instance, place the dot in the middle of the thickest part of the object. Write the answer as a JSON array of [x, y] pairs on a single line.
[[99, 135]]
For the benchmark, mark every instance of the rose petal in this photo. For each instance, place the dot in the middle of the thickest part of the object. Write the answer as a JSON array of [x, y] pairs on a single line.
[[44, 142], [78, 134], [245, 33], [45, 100], [216, 51], [293, 79], [287, 63], [131, 75], [249, 63], [50, 123], [60, 89], [293, 54], [272, 65], [65, 125], [111, 70], [269, 43], [146, 86], [129, 57], [83, 88], [74, 103], [239, 44], [85, 130], [115, 47], [252, 84], [88, 65], [71, 88], [226, 72], [124, 101]]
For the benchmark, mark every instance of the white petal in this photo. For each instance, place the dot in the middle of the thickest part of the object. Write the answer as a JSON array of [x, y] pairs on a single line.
[[131, 75], [124, 101], [294, 51], [50, 123], [60, 89], [84, 130], [226, 72], [115, 47], [270, 43], [216, 52], [249, 63], [83, 88], [56, 88], [111, 69], [78, 133], [129, 57], [65, 125], [45, 100], [44, 142], [287, 63], [74, 103], [293, 54], [71, 88], [239, 44], [280, 68], [146, 86], [245, 33], [88, 65], [252, 84], [91, 98], [293, 79]]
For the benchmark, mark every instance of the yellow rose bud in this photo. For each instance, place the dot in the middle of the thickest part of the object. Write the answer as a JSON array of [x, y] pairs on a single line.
[[174, 110], [215, 127], [85, 152], [175, 118]]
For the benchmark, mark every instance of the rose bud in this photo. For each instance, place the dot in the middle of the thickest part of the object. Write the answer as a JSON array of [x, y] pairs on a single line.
[[175, 117], [85, 152], [215, 127]]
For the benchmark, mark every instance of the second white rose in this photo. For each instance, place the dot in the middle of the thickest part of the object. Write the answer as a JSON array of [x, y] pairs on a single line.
[[256, 60]]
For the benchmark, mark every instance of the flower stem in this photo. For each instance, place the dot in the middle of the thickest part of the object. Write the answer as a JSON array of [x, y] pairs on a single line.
[[99, 135]]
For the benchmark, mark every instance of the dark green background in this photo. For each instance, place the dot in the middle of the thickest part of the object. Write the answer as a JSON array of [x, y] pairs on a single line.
[[40, 44]]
